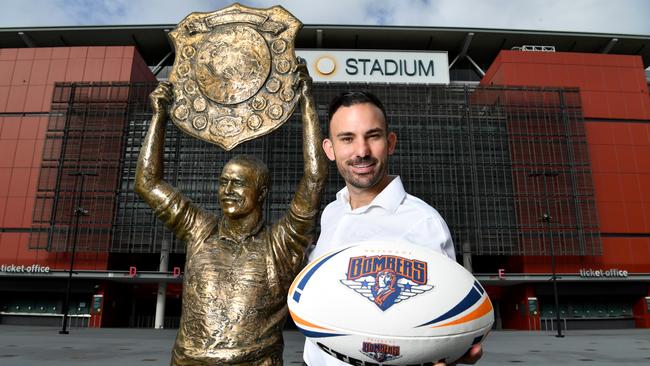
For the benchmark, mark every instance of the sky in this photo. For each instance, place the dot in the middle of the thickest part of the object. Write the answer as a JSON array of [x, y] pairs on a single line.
[[631, 17]]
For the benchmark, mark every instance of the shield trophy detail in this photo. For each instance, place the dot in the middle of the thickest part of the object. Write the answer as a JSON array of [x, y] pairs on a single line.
[[235, 78], [234, 73]]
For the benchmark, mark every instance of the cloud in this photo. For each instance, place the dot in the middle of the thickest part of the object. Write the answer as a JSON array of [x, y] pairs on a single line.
[[595, 16]]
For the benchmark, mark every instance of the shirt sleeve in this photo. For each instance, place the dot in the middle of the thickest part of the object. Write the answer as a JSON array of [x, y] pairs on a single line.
[[187, 220], [291, 236], [327, 224], [434, 232], [294, 232]]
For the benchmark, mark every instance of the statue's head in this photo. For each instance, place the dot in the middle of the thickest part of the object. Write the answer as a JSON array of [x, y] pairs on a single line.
[[243, 186]]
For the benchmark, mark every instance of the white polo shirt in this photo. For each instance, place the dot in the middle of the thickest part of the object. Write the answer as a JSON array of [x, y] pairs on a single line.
[[392, 214]]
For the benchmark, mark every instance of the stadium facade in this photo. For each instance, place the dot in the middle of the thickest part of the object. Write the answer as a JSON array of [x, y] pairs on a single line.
[[535, 147]]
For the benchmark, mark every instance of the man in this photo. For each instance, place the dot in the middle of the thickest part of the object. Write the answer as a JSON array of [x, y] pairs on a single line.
[[373, 204], [237, 270]]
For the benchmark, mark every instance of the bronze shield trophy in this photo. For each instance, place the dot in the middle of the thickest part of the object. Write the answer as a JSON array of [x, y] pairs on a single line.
[[233, 75]]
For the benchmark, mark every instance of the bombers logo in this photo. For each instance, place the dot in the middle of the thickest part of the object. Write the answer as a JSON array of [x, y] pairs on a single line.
[[380, 352], [387, 279]]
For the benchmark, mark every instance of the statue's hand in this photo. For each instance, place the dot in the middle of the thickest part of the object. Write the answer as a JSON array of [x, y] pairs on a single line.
[[161, 97], [303, 80]]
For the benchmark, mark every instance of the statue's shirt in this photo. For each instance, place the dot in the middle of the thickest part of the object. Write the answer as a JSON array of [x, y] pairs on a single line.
[[234, 290]]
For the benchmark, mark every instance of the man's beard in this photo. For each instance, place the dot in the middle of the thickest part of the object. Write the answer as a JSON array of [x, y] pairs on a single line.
[[366, 180]]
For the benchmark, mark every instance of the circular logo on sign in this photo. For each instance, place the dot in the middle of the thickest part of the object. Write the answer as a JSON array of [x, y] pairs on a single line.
[[325, 65]]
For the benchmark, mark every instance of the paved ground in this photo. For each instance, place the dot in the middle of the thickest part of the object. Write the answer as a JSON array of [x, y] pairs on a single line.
[[32, 346]]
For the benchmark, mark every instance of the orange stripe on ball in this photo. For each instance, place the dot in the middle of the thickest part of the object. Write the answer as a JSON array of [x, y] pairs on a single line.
[[302, 321], [484, 308]]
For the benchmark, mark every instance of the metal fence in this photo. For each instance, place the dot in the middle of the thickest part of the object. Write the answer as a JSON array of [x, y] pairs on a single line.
[[492, 160]]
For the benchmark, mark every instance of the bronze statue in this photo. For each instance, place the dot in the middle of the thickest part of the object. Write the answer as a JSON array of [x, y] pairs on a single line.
[[237, 269]]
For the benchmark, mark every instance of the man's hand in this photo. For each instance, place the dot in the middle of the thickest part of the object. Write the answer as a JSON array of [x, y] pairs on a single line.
[[469, 358], [160, 98]]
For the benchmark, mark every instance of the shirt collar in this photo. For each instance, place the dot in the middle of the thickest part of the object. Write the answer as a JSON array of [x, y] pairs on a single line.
[[225, 233], [389, 198]]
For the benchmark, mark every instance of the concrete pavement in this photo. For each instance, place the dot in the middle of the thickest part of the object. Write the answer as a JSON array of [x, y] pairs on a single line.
[[43, 346]]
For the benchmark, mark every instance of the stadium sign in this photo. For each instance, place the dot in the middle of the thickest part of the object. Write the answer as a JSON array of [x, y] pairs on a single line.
[[377, 66]]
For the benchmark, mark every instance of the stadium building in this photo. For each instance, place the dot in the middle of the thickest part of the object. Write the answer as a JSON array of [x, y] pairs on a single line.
[[534, 146]]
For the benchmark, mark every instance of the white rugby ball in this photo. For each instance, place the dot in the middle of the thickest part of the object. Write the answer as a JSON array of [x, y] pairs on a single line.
[[391, 303]]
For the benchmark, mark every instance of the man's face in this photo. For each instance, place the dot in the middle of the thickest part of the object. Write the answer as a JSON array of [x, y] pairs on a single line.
[[360, 144], [239, 194]]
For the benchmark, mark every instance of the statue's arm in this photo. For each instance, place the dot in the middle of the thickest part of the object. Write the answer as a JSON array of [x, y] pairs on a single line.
[[177, 211], [306, 201], [296, 229], [149, 183]]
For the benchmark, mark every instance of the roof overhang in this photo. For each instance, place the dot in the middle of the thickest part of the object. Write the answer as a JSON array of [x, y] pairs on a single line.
[[483, 46]]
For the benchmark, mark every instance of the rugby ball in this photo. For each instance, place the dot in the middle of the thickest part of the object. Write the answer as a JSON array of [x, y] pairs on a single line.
[[390, 302]]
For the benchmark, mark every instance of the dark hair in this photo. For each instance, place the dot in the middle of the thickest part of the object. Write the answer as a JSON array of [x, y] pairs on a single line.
[[349, 98]]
